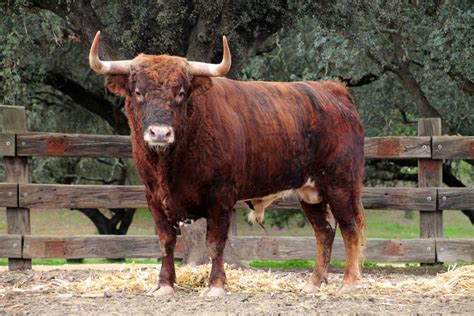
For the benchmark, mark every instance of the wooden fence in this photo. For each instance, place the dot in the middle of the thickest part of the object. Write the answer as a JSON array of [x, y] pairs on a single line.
[[19, 197]]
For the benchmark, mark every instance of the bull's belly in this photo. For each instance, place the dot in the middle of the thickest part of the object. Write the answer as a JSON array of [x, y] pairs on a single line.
[[307, 193]]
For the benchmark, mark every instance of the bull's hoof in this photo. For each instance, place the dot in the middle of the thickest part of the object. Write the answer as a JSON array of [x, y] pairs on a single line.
[[213, 292], [163, 290], [348, 288], [310, 287], [314, 286]]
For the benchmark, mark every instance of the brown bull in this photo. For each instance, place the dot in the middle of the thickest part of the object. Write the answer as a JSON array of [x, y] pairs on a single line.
[[202, 143]]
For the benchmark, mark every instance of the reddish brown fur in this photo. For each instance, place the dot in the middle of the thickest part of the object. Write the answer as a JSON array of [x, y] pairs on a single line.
[[241, 140]]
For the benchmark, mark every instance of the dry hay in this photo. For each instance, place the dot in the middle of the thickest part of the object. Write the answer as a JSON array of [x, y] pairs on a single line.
[[457, 281]]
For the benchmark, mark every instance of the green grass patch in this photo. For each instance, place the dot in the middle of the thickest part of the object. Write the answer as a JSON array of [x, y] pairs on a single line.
[[302, 264], [282, 264], [143, 214], [459, 232]]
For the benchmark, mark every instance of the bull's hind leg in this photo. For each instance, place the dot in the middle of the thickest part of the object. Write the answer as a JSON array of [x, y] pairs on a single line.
[[324, 227], [348, 211]]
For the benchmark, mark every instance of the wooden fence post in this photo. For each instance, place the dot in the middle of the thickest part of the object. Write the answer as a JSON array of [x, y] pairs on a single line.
[[13, 120], [430, 174]]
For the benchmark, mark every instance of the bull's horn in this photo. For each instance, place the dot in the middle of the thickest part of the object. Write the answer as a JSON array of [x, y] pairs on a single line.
[[212, 70], [119, 67]]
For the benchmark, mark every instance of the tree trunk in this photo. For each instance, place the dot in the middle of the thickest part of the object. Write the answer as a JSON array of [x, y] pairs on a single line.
[[419, 97], [195, 250], [117, 225], [402, 69], [194, 240]]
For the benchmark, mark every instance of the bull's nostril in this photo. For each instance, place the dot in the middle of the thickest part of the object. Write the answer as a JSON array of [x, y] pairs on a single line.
[[167, 135], [152, 133]]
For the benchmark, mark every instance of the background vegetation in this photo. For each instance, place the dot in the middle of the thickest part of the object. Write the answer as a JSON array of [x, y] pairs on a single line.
[[401, 59]]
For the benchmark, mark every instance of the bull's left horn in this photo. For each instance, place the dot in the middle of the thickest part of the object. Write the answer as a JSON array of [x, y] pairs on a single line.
[[119, 67], [212, 70]]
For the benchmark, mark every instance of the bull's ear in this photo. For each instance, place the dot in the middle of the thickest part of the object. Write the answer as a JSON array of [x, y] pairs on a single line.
[[118, 84], [200, 85]]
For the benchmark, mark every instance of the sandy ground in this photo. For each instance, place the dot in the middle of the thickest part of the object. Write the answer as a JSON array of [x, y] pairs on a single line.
[[53, 291]]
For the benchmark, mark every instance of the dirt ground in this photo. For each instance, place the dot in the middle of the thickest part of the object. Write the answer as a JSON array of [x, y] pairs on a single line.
[[61, 291]]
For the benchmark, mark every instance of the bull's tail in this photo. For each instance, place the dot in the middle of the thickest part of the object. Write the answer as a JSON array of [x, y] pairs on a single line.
[[256, 216]]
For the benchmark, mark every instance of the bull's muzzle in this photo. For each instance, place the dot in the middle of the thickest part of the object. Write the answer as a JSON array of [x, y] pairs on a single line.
[[159, 135]]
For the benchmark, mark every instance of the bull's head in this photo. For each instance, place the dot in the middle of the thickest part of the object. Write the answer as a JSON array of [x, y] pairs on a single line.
[[158, 88]]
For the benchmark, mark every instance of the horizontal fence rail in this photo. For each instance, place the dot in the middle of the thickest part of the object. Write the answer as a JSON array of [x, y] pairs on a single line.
[[133, 196], [424, 250], [397, 147], [453, 147], [73, 145], [456, 198], [83, 145], [11, 246], [7, 144], [31, 144], [8, 195]]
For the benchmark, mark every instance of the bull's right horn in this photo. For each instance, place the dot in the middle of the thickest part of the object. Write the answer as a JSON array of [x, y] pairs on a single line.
[[119, 67]]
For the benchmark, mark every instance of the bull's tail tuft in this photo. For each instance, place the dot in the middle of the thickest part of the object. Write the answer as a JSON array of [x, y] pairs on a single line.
[[256, 216]]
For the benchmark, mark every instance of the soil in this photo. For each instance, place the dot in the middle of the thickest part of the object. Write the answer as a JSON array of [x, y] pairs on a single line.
[[23, 292]]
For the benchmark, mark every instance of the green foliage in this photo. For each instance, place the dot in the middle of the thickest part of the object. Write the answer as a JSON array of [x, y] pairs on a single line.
[[34, 45], [284, 218]]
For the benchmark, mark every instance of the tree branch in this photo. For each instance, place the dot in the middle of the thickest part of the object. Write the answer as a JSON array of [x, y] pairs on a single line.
[[80, 16], [126, 220], [90, 101], [362, 81], [404, 115], [101, 222], [408, 80], [464, 83]]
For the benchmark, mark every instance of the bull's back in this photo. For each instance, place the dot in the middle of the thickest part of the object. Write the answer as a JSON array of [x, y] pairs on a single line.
[[285, 127]]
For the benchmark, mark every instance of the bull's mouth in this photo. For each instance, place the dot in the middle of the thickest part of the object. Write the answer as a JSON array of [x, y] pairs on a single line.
[[158, 147], [157, 144]]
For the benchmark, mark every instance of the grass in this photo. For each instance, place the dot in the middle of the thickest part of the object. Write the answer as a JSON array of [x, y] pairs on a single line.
[[303, 264], [340, 264], [282, 264]]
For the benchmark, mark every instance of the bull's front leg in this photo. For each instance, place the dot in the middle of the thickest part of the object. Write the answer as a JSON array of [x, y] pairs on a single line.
[[167, 238], [218, 223]]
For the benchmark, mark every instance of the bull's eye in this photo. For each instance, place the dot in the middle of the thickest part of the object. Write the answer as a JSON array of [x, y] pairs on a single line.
[[138, 96], [180, 97]]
